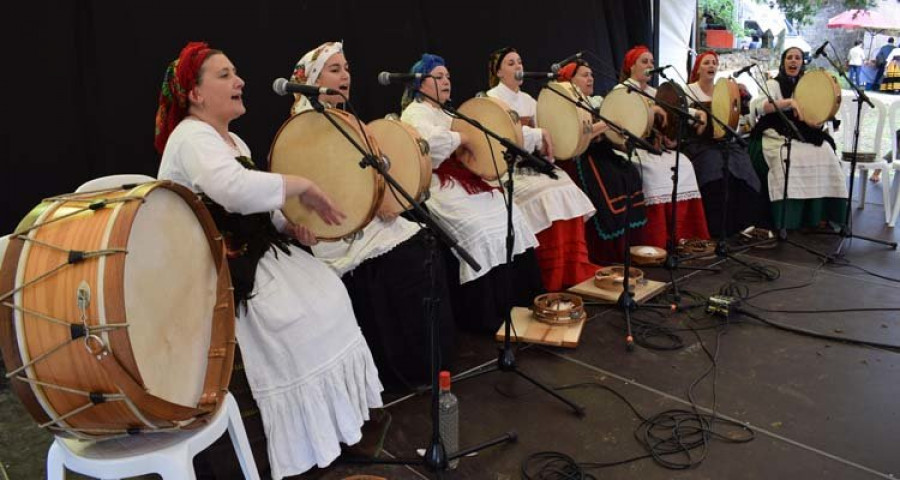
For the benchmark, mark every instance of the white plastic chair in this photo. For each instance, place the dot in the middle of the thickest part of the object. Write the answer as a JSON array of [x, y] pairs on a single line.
[[168, 454], [113, 181], [869, 158], [887, 174]]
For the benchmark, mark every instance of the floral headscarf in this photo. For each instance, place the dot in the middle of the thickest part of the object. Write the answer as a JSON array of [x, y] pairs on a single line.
[[631, 57], [180, 78], [308, 69], [425, 65], [494, 63], [695, 72]]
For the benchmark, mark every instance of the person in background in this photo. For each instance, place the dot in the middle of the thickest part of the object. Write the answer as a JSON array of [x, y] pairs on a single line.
[[881, 59], [855, 59]]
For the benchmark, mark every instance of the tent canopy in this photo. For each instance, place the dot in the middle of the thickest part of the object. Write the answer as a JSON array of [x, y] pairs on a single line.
[[885, 22]]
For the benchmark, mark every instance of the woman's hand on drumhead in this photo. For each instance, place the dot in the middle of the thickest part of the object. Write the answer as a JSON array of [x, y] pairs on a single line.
[[701, 121], [303, 235], [315, 199], [598, 128], [661, 114], [547, 148], [798, 112]]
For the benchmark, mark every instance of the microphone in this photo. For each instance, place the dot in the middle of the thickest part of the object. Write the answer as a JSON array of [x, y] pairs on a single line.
[[742, 71], [654, 71], [545, 75], [282, 87], [571, 58], [387, 78], [821, 50]]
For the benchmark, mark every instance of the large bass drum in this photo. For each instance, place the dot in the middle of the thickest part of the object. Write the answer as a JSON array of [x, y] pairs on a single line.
[[819, 96], [486, 159], [308, 145], [120, 313], [631, 111], [569, 126], [407, 154]]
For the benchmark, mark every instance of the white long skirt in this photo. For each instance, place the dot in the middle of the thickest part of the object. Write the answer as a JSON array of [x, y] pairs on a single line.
[[307, 363], [478, 222], [544, 200]]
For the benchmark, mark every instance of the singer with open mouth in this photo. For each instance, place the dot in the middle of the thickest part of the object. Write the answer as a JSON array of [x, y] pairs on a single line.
[[385, 268], [657, 170], [746, 206], [556, 209], [817, 186], [307, 363], [472, 210]]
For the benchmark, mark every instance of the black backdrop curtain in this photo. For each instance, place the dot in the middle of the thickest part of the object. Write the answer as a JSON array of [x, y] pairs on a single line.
[[83, 76]]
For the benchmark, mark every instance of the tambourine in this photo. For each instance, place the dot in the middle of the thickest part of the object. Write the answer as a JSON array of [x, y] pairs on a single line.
[[648, 255], [558, 308], [612, 278]]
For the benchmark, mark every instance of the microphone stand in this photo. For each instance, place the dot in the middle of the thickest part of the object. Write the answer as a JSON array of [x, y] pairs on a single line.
[[506, 360], [625, 301], [722, 248], [436, 457], [782, 231], [847, 228]]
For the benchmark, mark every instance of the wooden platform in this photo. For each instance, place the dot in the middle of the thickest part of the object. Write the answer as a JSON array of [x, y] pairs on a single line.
[[529, 330], [642, 293]]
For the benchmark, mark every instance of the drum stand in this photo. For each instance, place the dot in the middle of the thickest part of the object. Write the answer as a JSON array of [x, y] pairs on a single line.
[[506, 359], [722, 249], [847, 228], [436, 457], [672, 258]]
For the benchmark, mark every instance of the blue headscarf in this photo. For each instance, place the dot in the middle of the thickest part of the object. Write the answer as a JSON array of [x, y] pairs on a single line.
[[425, 65]]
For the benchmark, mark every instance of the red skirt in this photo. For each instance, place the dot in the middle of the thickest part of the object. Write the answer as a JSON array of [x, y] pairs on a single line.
[[691, 223], [563, 255]]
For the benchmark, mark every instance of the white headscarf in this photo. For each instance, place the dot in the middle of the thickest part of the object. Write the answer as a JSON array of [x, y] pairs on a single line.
[[309, 68]]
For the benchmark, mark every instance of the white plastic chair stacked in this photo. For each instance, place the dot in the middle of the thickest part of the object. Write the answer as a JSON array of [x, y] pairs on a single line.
[[869, 146], [168, 454], [893, 126]]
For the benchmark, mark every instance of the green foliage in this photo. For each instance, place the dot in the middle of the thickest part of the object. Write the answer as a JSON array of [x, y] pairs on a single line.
[[797, 11], [802, 11], [723, 12]]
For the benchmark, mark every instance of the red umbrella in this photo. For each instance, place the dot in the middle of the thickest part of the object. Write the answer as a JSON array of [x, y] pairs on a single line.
[[883, 22]]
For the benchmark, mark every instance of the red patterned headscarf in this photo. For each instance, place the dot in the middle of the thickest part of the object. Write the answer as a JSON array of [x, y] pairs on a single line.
[[566, 73], [181, 77], [695, 72], [631, 57]]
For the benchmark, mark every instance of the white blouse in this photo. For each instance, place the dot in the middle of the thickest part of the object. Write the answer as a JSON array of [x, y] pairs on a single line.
[[434, 127], [526, 106]]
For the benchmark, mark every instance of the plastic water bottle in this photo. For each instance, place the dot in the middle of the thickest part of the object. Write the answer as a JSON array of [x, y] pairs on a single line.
[[449, 418]]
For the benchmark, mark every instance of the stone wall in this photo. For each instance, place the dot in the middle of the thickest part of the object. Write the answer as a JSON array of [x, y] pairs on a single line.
[[817, 32]]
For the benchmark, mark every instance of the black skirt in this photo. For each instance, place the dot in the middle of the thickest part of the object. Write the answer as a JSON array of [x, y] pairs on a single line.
[[481, 305], [388, 294]]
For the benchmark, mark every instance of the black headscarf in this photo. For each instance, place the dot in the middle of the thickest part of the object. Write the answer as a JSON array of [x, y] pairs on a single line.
[[787, 84], [785, 81]]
